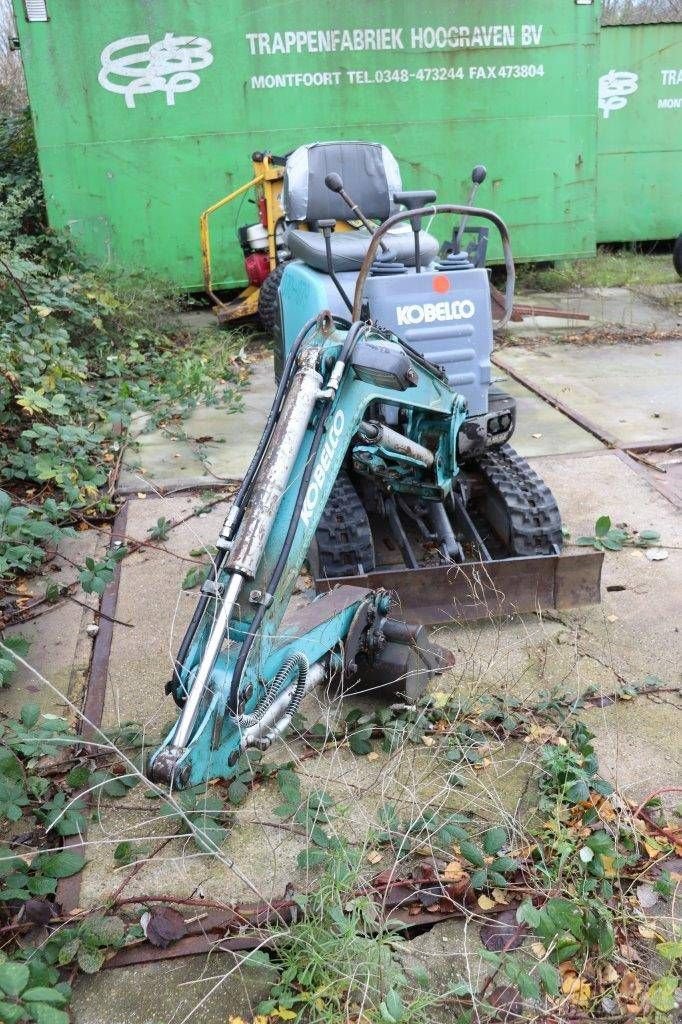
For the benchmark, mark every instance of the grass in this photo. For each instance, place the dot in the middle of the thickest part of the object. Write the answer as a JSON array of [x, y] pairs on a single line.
[[608, 269]]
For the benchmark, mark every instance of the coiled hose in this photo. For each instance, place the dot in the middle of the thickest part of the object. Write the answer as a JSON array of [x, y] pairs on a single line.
[[297, 661]]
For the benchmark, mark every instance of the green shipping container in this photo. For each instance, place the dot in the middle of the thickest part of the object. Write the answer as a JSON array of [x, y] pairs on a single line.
[[640, 133], [146, 113]]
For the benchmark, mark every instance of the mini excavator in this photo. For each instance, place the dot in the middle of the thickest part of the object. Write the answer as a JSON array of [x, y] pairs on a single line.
[[384, 463]]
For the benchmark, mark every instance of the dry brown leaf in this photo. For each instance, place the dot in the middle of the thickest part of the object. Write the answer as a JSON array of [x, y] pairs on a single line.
[[373, 857], [630, 987], [577, 990], [485, 903], [454, 871], [500, 896], [372, 756], [609, 975], [480, 765], [648, 933], [538, 950], [428, 741], [423, 851]]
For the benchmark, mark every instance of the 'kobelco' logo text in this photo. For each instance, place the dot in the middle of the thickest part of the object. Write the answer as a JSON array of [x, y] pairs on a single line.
[[322, 468], [460, 309]]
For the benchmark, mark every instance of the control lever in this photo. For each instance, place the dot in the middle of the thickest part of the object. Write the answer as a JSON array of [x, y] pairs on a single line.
[[326, 227], [413, 201], [478, 176], [334, 183]]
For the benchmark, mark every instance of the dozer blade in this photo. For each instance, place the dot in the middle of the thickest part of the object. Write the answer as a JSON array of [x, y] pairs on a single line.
[[477, 590]]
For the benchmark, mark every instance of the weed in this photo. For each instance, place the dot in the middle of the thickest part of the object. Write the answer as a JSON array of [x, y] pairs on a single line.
[[608, 269], [338, 961], [608, 537], [81, 350]]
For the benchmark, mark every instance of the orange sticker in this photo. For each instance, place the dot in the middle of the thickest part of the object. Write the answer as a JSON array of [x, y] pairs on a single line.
[[441, 284]]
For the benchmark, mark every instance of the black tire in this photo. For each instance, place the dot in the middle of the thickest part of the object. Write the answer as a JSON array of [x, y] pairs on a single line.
[[270, 316], [677, 255], [343, 543], [519, 505]]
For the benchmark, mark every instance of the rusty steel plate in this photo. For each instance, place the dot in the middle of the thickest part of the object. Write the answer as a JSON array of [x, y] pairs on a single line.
[[476, 590]]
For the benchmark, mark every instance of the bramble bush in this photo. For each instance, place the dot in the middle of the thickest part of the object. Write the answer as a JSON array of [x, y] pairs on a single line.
[[81, 349]]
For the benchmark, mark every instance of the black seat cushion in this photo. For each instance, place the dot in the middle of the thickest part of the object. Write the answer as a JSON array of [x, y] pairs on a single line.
[[349, 248]]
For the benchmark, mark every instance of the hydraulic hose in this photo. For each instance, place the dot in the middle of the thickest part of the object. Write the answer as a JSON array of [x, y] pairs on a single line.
[[242, 494], [297, 661], [350, 341]]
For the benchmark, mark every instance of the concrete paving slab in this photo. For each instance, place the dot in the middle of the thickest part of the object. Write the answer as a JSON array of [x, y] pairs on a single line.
[[542, 430], [60, 647], [164, 463], [617, 306], [632, 635], [631, 391], [170, 990]]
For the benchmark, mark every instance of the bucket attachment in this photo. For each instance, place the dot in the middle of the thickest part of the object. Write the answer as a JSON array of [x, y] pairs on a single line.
[[403, 664]]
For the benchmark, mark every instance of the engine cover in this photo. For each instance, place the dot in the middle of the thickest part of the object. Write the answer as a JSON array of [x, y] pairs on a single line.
[[447, 318]]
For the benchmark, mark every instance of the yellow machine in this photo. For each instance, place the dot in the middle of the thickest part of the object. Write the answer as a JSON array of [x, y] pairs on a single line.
[[259, 241]]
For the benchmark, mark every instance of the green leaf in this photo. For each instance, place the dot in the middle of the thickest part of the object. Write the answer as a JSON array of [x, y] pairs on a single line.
[[59, 865], [14, 978], [43, 1014], [602, 526], [504, 864], [479, 879], [90, 961], [68, 952], [30, 713], [550, 977], [10, 1013], [670, 950], [237, 792], [124, 854], [43, 995], [392, 1008], [102, 931], [472, 854], [661, 995], [494, 840], [289, 785], [527, 986], [649, 535], [258, 958], [78, 776], [528, 914], [601, 842], [311, 858], [359, 741], [578, 792]]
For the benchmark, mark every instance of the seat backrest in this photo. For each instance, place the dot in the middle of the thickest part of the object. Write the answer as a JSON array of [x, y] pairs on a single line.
[[370, 176]]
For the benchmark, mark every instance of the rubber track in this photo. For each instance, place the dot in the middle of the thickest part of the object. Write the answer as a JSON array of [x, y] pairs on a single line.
[[344, 536], [533, 520]]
